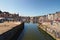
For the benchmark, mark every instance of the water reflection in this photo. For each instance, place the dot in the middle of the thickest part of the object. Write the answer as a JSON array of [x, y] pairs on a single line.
[[31, 32], [31, 21]]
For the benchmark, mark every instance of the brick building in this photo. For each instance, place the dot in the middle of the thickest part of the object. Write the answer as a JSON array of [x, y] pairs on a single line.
[[9, 16]]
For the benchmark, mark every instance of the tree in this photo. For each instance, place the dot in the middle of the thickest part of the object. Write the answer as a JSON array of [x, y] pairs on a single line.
[[0, 11], [6, 12]]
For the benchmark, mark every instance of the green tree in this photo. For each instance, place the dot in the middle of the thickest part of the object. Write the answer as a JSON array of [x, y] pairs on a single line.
[[0, 11]]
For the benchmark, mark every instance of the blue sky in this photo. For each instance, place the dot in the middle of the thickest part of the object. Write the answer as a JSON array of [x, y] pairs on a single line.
[[30, 7]]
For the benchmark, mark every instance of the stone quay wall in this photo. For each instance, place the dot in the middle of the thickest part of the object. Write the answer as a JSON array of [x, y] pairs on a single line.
[[13, 33], [52, 29]]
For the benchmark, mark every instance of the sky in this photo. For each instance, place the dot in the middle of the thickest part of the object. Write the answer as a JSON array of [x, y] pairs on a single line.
[[30, 7]]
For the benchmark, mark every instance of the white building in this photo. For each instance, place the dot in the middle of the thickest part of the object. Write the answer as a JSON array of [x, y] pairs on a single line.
[[50, 17]]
